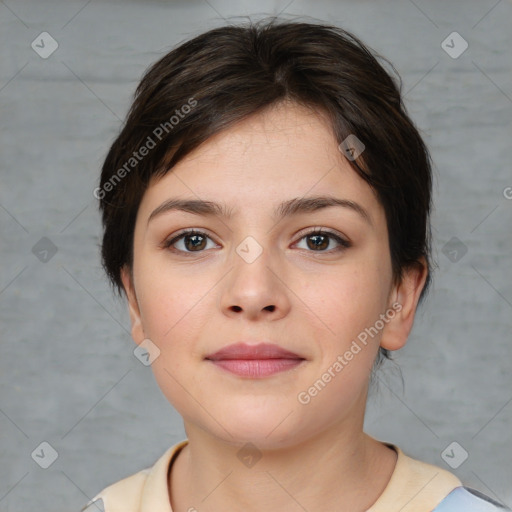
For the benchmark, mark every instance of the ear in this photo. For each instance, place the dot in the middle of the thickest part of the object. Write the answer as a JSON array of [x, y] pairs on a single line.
[[404, 299], [135, 319]]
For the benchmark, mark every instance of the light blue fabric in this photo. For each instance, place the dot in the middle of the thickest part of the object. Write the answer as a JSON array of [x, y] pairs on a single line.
[[463, 499]]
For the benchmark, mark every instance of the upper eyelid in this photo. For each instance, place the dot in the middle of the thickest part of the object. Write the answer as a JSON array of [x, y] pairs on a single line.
[[191, 232]]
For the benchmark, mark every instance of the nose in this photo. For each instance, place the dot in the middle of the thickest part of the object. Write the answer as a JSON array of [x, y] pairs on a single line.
[[254, 288]]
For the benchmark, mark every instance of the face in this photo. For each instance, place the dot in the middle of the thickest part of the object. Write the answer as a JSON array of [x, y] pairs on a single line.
[[312, 277]]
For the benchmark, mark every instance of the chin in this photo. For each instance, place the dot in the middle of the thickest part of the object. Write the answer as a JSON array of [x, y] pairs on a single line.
[[266, 428]]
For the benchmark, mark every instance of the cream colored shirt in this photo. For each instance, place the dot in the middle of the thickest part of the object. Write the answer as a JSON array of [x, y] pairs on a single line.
[[414, 486]]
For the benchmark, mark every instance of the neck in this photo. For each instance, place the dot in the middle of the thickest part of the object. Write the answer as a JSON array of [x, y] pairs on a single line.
[[338, 470]]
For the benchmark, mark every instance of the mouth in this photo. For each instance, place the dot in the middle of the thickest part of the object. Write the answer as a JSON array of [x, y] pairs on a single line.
[[255, 361]]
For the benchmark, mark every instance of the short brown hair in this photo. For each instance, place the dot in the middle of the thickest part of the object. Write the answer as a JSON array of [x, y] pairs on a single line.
[[226, 74]]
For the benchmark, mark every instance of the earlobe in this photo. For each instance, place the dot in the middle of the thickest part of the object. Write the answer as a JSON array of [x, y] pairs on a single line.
[[133, 306], [404, 300]]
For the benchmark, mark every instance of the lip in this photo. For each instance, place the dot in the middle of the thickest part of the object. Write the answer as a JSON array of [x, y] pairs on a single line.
[[255, 361], [249, 352]]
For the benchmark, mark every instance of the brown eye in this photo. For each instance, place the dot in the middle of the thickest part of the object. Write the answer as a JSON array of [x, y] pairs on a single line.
[[194, 242], [319, 241], [191, 241]]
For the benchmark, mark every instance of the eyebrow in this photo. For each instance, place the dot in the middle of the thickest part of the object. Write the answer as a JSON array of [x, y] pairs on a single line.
[[288, 208]]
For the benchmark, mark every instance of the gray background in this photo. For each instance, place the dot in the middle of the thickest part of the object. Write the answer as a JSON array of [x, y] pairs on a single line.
[[68, 375]]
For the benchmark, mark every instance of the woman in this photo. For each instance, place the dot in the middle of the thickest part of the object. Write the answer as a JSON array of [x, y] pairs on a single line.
[[266, 212]]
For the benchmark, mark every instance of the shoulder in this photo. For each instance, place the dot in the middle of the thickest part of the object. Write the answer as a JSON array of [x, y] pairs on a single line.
[[441, 490], [147, 488], [416, 486], [464, 499], [123, 495]]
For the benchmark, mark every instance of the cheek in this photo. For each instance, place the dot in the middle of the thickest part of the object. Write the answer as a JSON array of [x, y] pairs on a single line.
[[347, 300], [174, 313], [169, 299]]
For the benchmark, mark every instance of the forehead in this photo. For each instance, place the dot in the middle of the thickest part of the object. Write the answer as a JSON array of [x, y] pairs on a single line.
[[284, 152]]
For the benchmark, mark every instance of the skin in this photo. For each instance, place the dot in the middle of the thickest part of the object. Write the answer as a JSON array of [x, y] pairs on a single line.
[[311, 301]]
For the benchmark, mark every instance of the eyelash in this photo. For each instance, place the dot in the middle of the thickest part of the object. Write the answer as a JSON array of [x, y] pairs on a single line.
[[343, 244]]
